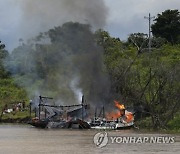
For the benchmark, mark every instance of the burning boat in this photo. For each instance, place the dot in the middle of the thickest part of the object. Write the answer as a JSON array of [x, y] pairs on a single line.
[[76, 116], [61, 116], [119, 119], [123, 117]]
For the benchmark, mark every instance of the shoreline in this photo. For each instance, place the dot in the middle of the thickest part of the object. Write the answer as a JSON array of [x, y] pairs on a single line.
[[142, 130], [17, 120]]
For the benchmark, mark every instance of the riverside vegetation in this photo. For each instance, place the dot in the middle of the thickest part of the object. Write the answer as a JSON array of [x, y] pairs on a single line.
[[146, 79]]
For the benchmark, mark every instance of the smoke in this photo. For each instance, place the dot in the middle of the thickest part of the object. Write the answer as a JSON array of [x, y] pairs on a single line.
[[41, 15], [68, 66], [70, 63], [77, 91]]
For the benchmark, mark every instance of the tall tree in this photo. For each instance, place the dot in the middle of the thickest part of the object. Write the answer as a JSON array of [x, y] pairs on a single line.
[[2, 46], [3, 55], [138, 39], [167, 25]]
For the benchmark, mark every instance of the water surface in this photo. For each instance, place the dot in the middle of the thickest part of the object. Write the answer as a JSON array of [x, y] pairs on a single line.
[[24, 139]]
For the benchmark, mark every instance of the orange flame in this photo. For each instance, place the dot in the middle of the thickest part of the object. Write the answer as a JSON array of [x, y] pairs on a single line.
[[113, 115], [129, 117], [117, 114], [119, 106]]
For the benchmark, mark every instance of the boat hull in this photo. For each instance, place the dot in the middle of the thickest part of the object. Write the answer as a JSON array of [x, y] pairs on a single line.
[[39, 124]]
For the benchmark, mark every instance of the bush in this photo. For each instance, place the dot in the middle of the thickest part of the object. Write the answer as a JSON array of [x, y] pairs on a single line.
[[174, 124]]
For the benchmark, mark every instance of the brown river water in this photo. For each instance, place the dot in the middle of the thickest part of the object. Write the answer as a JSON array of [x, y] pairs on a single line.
[[24, 139]]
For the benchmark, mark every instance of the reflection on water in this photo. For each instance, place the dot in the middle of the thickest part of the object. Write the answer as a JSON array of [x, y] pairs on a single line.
[[24, 139]]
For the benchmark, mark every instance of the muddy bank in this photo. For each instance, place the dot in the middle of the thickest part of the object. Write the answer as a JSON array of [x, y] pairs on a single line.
[[17, 120]]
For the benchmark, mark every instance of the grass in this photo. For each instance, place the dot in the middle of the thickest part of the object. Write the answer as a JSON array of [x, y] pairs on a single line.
[[19, 116]]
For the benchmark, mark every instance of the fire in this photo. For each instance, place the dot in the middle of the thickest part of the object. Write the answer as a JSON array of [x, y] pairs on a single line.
[[116, 114], [126, 116], [129, 117], [119, 106], [113, 115]]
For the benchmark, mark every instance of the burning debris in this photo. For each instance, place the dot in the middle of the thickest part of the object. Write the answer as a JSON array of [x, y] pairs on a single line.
[[60, 116], [122, 113], [118, 119], [77, 116]]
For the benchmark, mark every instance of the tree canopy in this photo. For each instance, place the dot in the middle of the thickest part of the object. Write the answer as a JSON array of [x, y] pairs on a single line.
[[167, 25], [143, 78], [9, 91]]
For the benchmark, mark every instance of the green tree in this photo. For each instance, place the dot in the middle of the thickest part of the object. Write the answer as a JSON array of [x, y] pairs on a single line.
[[3, 55], [138, 40], [142, 78], [9, 91], [2, 46], [167, 25]]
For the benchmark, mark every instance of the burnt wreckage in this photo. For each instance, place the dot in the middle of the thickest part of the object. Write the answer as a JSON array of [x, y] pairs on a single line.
[[77, 116], [59, 116]]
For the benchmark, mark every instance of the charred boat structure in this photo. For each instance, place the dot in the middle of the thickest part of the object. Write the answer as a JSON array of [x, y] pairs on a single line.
[[121, 119], [59, 116], [77, 116]]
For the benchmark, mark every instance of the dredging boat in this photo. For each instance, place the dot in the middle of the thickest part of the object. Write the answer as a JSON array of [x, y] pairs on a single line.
[[75, 117], [104, 124], [59, 116], [38, 123], [119, 119]]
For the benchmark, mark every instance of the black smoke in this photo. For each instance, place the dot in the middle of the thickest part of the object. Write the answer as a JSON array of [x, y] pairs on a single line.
[[65, 63]]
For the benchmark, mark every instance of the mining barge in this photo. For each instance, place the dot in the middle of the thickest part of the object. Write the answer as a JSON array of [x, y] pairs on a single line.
[[77, 116]]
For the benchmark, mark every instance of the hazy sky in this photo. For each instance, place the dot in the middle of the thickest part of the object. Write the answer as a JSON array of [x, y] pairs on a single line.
[[122, 16], [127, 16]]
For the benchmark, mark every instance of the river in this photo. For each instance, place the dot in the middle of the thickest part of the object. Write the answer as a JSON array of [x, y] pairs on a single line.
[[24, 139]]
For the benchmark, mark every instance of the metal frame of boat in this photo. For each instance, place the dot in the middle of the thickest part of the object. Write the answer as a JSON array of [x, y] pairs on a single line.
[[96, 123]]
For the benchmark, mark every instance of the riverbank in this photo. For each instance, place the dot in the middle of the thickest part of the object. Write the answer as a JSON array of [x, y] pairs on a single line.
[[16, 120], [137, 130], [173, 125], [16, 117]]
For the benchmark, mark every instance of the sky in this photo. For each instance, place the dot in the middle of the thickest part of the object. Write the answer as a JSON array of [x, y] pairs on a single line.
[[19, 18]]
